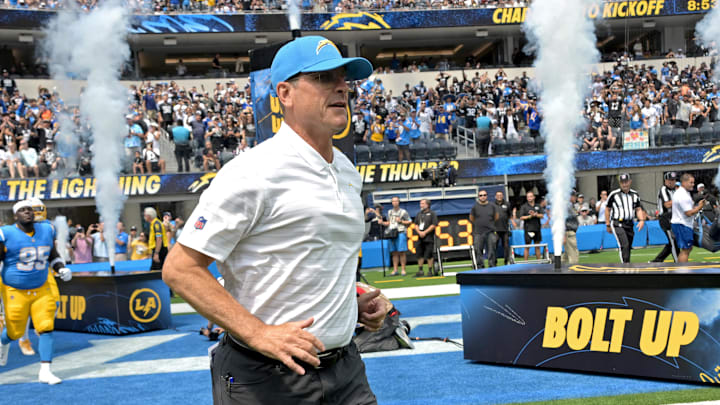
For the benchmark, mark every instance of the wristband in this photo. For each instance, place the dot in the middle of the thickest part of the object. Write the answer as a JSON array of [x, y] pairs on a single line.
[[56, 261]]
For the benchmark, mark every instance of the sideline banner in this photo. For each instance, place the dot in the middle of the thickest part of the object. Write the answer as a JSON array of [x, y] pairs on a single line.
[[668, 333], [114, 305]]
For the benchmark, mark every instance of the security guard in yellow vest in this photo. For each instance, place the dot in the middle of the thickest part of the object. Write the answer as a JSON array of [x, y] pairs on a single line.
[[157, 238]]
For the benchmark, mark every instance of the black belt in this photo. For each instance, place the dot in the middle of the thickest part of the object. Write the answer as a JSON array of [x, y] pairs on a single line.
[[328, 358]]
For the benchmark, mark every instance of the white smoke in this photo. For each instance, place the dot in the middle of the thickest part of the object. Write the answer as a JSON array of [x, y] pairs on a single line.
[[707, 35], [61, 237], [93, 46], [563, 38], [294, 15]]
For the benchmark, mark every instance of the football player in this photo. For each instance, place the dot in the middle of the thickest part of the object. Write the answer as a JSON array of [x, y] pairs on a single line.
[[26, 248]]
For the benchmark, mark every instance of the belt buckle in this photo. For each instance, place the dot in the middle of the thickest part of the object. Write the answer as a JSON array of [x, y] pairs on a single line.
[[329, 359]]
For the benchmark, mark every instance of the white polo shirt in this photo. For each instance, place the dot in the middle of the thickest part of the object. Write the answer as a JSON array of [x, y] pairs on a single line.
[[681, 203], [285, 228]]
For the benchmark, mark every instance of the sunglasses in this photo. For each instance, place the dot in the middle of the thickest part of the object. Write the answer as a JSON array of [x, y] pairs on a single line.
[[482, 195], [324, 78]]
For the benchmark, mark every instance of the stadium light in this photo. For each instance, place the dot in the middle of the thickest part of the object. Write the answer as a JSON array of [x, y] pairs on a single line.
[[26, 38], [649, 24], [385, 36], [481, 33], [169, 41], [261, 39]]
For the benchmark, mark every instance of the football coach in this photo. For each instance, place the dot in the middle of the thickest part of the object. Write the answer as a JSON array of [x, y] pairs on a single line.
[[285, 224]]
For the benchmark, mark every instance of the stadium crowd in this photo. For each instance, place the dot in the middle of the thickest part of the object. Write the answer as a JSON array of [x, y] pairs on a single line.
[[208, 127]]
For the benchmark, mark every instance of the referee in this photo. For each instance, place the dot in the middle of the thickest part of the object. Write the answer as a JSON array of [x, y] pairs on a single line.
[[665, 207], [623, 205]]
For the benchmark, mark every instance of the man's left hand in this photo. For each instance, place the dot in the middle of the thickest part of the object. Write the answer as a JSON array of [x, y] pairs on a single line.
[[371, 310], [640, 225]]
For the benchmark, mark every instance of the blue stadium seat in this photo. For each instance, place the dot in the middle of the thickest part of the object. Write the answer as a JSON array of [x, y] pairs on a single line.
[[435, 151], [716, 133], [665, 135], [499, 146], [226, 157], [512, 147], [391, 152], [706, 134], [418, 150], [449, 150], [678, 136], [377, 152], [693, 136], [527, 145], [362, 154]]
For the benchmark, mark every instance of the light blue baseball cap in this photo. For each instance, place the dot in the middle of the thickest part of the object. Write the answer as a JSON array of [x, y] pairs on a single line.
[[314, 54]]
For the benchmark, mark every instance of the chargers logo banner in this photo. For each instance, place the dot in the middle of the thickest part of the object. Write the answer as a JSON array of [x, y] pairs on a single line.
[[661, 333], [362, 20]]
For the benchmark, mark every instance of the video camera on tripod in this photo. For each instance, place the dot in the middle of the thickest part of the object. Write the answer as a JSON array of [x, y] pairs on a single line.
[[443, 175]]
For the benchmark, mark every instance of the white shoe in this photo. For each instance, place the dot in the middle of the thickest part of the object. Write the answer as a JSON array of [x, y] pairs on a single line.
[[47, 377], [4, 350], [26, 347]]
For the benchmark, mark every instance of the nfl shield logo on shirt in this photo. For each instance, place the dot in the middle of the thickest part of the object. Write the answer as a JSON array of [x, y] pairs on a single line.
[[200, 223]]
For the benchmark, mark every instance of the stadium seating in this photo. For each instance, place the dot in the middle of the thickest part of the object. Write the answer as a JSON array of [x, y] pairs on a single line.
[[499, 147], [527, 145], [391, 152], [418, 150], [362, 154], [693, 136], [678, 136], [539, 144], [377, 152], [664, 136], [449, 150], [706, 134], [435, 151], [512, 147]]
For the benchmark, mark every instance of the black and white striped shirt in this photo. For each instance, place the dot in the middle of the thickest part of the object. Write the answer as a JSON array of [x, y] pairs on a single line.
[[623, 205], [664, 195]]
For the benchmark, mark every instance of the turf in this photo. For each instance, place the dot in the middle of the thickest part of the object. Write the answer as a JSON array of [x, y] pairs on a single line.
[[663, 397]]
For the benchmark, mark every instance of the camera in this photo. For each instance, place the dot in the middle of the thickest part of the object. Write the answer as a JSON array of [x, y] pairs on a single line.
[[441, 176]]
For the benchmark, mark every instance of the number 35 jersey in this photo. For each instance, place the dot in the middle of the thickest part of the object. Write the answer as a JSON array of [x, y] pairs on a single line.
[[26, 257]]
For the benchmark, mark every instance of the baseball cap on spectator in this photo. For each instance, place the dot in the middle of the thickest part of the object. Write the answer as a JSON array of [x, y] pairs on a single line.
[[581, 196], [167, 213], [671, 176], [624, 177], [584, 207], [314, 54], [701, 185], [133, 228]]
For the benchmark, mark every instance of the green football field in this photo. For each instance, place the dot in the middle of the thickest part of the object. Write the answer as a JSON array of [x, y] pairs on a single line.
[[643, 255]]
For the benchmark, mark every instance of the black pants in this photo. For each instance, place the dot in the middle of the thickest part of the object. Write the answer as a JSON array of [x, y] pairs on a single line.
[[488, 242], [260, 380], [504, 238], [182, 155], [624, 233], [158, 265], [669, 248]]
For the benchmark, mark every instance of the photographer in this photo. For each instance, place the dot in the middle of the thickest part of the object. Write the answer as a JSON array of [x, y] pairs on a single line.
[[397, 222], [375, 217], [682, 216], [82, 245], [711, 203], [100, 250]]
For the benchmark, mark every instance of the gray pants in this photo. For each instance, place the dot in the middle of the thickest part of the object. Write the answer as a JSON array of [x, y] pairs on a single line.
[[260, 380], [486, 242]]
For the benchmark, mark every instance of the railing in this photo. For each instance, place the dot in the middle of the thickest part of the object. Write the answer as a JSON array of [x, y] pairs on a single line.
[[465, 137], [417, 194]]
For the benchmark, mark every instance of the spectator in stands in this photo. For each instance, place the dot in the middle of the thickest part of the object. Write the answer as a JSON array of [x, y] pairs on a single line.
[[698, 113], [139, 248], [443, 123], [153, 162], [121, 243], [377, 130], [11, 159], [181, 137], [242, 147], [402, 141], [8, 83], [82, 245], [138, 164], [509, 123], [134, 137], [100, 250], [360, 128], [651, 120], [605, 135], [682, 119], [248, 125], [585, 218], [50, 160], [29, 160], [210, 158], [590, 141], [425, 115]]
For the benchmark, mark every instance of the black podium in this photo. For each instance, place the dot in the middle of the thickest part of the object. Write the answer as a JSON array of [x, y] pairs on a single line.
[[659, 320]]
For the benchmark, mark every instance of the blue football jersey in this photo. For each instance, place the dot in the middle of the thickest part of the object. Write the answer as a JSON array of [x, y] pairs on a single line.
[[26, 257]]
